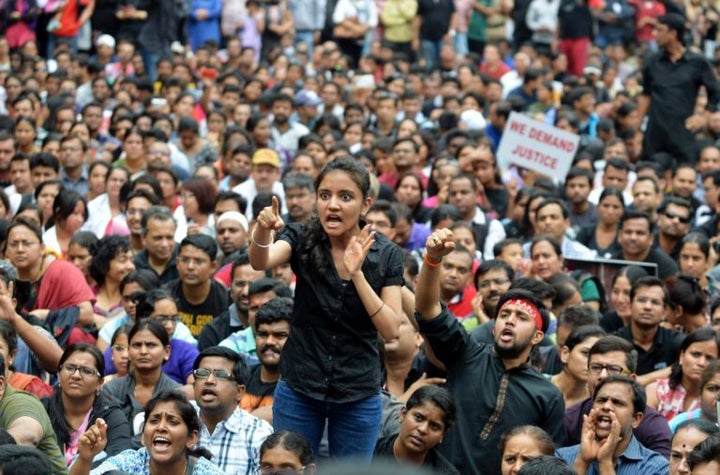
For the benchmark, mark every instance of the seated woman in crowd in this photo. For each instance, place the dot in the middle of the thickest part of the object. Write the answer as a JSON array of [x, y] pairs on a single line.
[[688, 435], [620, 298], [78, 402], [286, 451], [170, 432], [69, 214], [709, 391], [120, 357], [572, 380], [695, 261], [80, 252], [49, 287], [522, 444], [424, 421], [602, 237], [688, 308], [45, 194], [679, 393], [112, 261], [105, 211], [149, 349]]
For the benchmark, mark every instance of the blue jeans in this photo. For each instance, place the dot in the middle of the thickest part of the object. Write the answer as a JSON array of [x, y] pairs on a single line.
[[353, 427], [431, 52], [54, 40], [150, 59], [307, 37]]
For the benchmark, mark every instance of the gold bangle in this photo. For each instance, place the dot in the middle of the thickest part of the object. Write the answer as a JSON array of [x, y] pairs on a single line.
[[377, 311]]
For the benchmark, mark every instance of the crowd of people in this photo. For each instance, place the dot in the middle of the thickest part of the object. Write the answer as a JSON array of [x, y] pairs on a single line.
[[258, 237]]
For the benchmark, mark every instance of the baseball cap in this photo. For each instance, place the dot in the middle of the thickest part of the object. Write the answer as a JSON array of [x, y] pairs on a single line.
[[105, 40], [307, 98], [266, 156]]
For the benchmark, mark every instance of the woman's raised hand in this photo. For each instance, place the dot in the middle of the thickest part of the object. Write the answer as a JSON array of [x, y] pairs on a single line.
[[357, 249], [93, 441], [269, 218]]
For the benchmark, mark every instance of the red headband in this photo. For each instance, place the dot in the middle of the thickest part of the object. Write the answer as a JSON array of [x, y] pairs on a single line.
[[528, 308]]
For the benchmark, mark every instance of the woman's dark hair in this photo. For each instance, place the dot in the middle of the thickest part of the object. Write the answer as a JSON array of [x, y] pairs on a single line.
[[107, 249], [700, 240], [65, 203], [145, 278], [153, 327], [328, 120], [54, 404], [541, 438], [685, 291], [187, 412], [313, 254], [706, 451], [440, 161], [702, 425], [526, 229], [29, 120], [565, 288], [442, 213], [115, 168], [146, 301], [149, 180], [31, 207], [291, 442], [84, 239], [204, 192], [100, 163], [631, 273], [698, 336], [549, 239], [417, 209], [122, 330], [45, 183], [612, 191], [8, 333], [437, 396], [5, 201], [26, 223], [254, 120]]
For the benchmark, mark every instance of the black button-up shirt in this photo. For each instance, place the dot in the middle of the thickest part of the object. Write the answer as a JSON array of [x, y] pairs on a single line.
[[332, 351], [673, 88], [663, 353], [490, 399]]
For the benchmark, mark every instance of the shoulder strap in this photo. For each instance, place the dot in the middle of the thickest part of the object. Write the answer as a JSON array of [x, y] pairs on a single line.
[[190, 465]]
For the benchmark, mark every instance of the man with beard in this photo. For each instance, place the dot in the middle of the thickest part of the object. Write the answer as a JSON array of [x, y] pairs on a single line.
[[674, 219], [578, 185], [300, 197], [272, 328], [136, 204], [494, 386], [286, 134], [492, 279], [231, 232], [607, 441], [657, 346], [636, 238], [231, 435], [611, 355], [235, 318], [237, 164]]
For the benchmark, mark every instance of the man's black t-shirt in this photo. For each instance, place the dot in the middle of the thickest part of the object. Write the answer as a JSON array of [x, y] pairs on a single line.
[[197, 316], [257, 393]]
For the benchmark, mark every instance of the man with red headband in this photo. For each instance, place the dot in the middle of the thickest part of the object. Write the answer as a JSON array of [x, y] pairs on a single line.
[[494, 385]]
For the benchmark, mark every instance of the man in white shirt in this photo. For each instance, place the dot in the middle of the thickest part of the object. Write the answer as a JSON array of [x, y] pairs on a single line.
[[264, 176]]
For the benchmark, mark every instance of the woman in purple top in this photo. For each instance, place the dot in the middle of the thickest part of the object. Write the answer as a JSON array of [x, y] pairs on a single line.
[[160, 305]]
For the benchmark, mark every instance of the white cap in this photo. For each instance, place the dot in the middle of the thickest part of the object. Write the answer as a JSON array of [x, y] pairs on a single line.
[[105, 40], [234, 216]]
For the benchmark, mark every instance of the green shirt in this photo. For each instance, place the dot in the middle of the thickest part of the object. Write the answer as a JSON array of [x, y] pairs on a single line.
[[477, 29], [16, 404]]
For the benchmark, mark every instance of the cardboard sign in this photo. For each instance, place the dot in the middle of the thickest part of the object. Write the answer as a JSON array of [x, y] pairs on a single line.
[[534, 145]]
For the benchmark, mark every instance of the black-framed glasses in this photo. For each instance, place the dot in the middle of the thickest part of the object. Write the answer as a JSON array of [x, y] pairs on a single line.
[[85, 371], [204, 373], [613, 369]]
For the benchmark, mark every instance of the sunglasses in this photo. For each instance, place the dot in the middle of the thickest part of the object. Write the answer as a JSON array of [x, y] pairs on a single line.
[[682, 219]]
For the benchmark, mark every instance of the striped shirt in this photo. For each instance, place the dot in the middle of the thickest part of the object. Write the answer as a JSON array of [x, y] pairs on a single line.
[[635, 460], [235, 442]]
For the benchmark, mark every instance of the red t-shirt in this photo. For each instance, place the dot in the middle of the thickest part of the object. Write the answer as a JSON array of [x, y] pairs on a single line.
[[647, 9], [495, 73]]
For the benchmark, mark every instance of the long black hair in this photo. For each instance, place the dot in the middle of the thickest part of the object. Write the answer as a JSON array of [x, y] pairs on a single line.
[[698, 336], [313, 252], [54, 404]]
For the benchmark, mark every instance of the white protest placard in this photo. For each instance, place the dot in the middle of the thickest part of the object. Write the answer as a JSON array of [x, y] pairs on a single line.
[[531, 144]]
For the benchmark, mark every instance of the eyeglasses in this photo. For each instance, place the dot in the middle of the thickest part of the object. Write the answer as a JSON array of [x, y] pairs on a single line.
[[85, 371], [682, 219], [25, 244], [597, 368], [281, 471], [204, 373], [485, 284], [163, 319]]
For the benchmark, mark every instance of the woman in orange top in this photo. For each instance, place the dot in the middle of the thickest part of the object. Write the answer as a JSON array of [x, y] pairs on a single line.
[[66, 23]]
